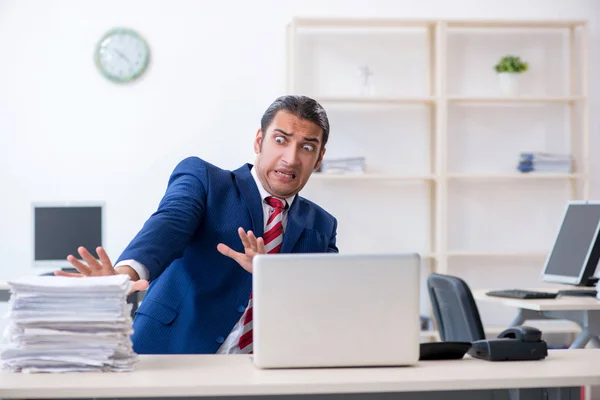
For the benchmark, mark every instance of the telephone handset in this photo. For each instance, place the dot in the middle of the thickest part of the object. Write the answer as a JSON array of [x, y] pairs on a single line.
[[514, 344], [522, 333]]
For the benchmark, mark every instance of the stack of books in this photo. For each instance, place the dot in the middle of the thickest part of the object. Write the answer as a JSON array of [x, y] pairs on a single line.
[[350, 165], [545, 162], [61, 324]]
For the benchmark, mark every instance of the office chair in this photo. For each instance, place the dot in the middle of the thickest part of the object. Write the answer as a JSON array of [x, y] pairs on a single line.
[[454, 309]]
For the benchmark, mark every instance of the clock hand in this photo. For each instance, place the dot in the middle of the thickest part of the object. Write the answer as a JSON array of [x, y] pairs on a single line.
[[123, 56]]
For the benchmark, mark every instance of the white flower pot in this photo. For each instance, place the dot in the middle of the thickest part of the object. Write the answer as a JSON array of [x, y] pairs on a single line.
[[509, 83]]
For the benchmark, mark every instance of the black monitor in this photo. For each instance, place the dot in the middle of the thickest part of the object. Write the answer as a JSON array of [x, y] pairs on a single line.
[[576, 251], [58, 230]]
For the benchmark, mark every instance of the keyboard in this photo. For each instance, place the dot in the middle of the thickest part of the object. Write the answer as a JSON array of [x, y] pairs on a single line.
[[522, 294]]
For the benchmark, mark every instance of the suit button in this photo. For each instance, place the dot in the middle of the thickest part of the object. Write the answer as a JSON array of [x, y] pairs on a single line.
[[220, 339], [241, 308]]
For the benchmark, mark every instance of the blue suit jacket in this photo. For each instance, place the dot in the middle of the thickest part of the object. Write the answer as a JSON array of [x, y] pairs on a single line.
[[196, 294]]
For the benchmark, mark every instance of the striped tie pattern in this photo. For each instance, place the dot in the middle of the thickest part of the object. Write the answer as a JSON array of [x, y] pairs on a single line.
[[273, 239]]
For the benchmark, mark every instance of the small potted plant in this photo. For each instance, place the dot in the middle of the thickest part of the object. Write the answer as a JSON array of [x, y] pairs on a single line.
[[509, 68]]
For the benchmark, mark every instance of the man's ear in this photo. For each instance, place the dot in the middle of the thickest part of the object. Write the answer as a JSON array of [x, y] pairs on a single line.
[[320, 159], [258, 141]]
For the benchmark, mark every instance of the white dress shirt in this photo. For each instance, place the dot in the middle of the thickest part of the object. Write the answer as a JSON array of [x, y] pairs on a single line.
[[231, 344]]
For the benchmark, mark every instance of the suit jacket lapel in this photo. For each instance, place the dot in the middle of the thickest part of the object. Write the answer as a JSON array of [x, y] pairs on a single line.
[[295, 225], [251, 196]]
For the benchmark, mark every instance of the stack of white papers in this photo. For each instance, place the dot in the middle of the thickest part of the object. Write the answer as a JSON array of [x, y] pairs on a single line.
[[61, 324]]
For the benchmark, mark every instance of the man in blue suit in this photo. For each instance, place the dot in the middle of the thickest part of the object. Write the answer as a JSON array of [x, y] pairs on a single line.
[[209, 223]]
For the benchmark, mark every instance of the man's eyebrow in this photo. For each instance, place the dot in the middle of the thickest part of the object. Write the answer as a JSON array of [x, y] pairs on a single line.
[[315, 140], [284, 132]]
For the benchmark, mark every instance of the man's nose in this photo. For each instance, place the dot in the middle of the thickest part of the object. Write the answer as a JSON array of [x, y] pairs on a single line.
[[290, 156]]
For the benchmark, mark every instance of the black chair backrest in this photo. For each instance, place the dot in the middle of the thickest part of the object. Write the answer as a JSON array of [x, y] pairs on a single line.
[[454, 308]]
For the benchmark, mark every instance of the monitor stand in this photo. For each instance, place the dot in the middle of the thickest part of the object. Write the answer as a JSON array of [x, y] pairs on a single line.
[[590, 283]]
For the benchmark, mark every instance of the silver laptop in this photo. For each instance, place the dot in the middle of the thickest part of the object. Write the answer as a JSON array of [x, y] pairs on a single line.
[[334, 310]]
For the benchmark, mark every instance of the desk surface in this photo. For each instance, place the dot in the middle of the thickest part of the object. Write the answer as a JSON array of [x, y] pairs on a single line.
[[220, 375], [567, 303]]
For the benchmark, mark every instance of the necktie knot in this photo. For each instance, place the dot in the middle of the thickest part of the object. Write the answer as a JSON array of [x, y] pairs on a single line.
[[276, 203]]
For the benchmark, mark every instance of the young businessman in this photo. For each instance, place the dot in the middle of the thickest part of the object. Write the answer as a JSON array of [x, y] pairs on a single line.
[[212, 221]]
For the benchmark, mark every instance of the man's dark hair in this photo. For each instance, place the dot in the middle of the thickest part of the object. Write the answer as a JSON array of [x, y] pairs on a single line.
[[302, 107]]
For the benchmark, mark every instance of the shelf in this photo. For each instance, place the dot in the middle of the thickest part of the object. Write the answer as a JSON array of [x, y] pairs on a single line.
[[453, 99], [372, 177], [507, 254], [361, 23], [305, 22], [529, 24], [523, 99], [376, 100], [516, 176]]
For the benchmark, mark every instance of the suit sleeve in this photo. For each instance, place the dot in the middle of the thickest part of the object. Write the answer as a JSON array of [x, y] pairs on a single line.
[[168, 231], [332, 248]]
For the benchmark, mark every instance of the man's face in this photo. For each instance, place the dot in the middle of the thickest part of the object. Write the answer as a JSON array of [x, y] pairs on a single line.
[[287, 153]]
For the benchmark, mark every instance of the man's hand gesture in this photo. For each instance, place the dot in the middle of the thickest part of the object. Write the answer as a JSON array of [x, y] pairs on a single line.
[[94, 267], [252, 246]]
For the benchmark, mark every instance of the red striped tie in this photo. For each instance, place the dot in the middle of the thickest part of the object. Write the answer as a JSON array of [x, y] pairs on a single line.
[[273, 238]]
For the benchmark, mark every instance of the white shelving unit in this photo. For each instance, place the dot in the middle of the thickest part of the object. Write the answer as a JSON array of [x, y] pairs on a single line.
[[441, 142]]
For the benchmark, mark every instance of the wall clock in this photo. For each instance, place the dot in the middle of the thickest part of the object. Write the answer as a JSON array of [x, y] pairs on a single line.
[[122, 55]]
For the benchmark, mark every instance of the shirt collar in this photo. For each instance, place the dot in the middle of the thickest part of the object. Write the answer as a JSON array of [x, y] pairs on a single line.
[[263, 193]]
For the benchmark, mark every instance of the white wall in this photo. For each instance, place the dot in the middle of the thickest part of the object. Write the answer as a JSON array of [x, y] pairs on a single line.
[[67, 134]]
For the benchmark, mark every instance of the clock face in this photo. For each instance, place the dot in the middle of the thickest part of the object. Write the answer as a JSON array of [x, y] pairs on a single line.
[[122, 55]]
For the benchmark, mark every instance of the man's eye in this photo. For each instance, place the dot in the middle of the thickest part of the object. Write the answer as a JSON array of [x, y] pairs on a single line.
[[308, 147], [279, 139]]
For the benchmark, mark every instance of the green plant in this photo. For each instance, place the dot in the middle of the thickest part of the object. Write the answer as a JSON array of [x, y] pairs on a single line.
[[510, 63]]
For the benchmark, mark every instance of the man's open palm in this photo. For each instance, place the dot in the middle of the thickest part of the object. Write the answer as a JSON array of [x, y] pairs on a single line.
[[252, 247], [94, 267]]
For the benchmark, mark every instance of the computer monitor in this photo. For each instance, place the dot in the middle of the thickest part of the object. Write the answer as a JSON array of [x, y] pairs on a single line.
[[576, 251], [59, 229]]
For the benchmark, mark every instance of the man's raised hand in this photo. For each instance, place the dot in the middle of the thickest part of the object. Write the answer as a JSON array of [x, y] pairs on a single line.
[[252, 246], [95, 267]]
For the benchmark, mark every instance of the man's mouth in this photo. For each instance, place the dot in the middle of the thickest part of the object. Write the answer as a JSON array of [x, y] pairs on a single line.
[[289, 175]]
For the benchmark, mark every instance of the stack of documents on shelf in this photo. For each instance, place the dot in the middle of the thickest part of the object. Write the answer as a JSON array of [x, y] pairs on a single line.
[[545, 162], [352, 165], [61, 324]]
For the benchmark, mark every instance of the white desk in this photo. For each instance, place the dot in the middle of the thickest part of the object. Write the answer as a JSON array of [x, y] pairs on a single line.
[[220, 375], [585, 311]]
